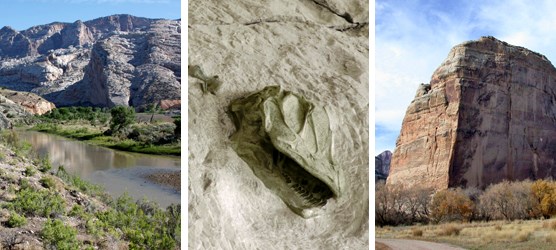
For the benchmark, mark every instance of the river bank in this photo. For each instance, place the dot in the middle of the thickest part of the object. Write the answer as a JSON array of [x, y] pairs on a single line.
[[47, 208], [94, 134], [116, 171]]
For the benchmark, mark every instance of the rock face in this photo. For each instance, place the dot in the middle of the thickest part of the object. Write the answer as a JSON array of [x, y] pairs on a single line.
[[11, 112], [382, 165], [489, 114], [114, 60], [32, 103], [304, 47]]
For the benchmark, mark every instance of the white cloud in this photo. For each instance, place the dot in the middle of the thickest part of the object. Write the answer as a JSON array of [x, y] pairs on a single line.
[[414, 37]]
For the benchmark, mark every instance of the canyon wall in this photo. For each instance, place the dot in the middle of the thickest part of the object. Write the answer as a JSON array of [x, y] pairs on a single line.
[[488, 114], [108, 61]]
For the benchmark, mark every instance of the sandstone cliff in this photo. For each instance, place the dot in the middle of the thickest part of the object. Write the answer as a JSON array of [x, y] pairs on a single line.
[[308, 48], [488, 114], [114, 60]]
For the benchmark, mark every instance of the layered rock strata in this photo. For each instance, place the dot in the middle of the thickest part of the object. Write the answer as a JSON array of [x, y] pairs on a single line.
[[488, 114], [109, 61]]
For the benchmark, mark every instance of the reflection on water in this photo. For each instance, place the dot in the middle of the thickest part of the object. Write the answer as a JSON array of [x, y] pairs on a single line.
[[117, 171]]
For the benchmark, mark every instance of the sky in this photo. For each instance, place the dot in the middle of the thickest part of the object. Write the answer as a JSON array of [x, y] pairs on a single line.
[[23, 14], [414, 37]]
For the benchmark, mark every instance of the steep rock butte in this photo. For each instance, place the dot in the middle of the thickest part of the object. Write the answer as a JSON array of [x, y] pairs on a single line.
[[489, 114]]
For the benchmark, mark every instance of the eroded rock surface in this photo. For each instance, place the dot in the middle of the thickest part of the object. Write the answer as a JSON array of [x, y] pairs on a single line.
[[489, 114], [114, 60], [32, 103], [382, 165], [308, 50]]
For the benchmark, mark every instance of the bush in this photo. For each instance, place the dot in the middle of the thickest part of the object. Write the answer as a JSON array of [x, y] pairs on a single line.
[[121, 118], [29, 171], [16, 220], [450, 205], [56, 234], [449, 229], [396, 205], [47, 182], [150, 229], [37, 203], [417, 232], [544, 192], [508, 200], [45, 164]]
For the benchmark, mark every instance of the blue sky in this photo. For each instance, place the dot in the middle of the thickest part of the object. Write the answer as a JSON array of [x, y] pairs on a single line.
[[22, 14], [414, 37]]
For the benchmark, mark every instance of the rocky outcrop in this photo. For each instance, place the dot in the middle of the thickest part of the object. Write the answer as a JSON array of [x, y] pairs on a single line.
[[114, 60], [382, 165], [304, 47], [11, 113], [170, 104], [488, 114], [32, 103]]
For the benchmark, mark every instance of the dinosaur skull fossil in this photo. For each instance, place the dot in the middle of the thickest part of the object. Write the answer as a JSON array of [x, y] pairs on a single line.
[[287, 142]]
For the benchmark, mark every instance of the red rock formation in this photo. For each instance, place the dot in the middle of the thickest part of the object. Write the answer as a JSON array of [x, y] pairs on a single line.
[[489, 114], [170, 104]]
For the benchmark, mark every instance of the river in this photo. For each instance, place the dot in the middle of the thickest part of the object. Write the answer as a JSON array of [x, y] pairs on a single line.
[[116, 171]]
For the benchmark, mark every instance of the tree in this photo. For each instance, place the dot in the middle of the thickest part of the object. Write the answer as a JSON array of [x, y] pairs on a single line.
[[544, 192], [451, 204], [509, 200], [121, 118], [177, 130]]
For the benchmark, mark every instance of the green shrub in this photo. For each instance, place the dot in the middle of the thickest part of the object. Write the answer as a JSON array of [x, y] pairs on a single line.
[[79, 183], [47, 182], [151, 228], [16, 220], [37, 203], [45, 164], [29, 171], [55, 234], [77, 211]]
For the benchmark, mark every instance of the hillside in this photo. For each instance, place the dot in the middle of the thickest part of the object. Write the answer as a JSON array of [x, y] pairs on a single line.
[[108, 61]]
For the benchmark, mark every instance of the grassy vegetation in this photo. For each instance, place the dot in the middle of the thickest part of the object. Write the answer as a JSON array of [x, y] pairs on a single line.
[[74, 207], [519, 234], [114, 129]]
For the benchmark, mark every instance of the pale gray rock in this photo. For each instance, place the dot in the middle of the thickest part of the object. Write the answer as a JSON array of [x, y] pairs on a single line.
[[108, 61], [300, 46]]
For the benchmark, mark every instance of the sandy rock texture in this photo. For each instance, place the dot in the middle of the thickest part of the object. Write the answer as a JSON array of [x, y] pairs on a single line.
[[306, 47], [32, 103], [108, 61], [487, 115]]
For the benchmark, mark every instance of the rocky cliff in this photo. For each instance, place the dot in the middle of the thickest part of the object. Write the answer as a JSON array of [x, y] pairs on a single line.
[[315, 49], [114, 60], [488, 114], [30, 102], [382, 165]]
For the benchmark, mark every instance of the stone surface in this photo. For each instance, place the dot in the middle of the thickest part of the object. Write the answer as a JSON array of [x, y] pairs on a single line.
[[108, 61], [32, 103], [308, 50], [489, 114], [11, 112], [382, 165]]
